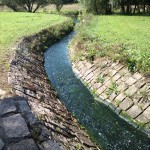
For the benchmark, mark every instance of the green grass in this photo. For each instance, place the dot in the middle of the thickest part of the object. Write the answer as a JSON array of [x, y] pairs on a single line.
[[124, 38], [73, 13], [15, 25]]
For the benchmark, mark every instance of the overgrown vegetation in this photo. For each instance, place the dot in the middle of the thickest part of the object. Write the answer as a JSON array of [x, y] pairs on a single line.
[[33, 5], [111, 6], [25, 5], [65, 12], [123, 38]]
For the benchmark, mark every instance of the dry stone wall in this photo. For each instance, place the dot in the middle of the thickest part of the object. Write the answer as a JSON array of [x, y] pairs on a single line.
[[18, 124], [28, 79], [125, 93]]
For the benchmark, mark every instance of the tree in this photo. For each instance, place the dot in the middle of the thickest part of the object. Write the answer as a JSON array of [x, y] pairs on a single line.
[[97, 6], [25, 5], [126, 6], [58, 4]]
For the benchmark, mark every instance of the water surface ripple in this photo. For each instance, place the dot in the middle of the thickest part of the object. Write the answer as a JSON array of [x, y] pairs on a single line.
[[106, 128]]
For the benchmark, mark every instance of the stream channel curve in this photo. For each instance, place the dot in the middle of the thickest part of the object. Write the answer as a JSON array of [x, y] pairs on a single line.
[[107, 129]]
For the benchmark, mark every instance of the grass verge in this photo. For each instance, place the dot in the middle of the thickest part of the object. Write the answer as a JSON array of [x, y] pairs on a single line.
[[13, 26], [123, 38]]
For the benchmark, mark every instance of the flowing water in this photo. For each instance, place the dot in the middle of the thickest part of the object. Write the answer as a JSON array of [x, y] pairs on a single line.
[[104, 126]]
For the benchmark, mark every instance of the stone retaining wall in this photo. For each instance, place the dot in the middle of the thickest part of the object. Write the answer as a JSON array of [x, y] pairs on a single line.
[[125, 93], [28, 79], [18, 126]]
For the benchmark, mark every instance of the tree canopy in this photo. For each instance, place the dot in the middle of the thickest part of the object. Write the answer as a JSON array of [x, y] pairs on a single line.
[[125, 6], [25, 5]]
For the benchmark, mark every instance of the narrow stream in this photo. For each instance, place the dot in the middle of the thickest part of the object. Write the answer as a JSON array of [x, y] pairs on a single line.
[[104, 126]]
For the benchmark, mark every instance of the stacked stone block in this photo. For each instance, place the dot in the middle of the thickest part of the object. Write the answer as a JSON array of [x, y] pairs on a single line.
[[124, 92]]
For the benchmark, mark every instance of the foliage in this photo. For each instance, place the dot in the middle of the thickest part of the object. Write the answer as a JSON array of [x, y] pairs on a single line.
[[58, 4], [96, 6], [66, 12], [33, 5], [25, 5], [123, 38], [101, 79], [108, 6], [15, 25], [112, 88]]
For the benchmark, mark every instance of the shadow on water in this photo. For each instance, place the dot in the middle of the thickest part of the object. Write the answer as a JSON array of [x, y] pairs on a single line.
[[104, 126]]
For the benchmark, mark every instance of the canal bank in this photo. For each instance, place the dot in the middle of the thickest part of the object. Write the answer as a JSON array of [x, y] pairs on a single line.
[[104, 126], [28, 80]]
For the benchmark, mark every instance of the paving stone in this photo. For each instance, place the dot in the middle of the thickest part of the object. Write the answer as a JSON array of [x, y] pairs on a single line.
[[104, 95], [97, 72], [137, 76], [121, 97], [94, 68], [140, 84], [101, 89], [108, 83], [76, 71], [130, 81], [50, 145], [142, 119], [89, 76], [23, 106], [96, 85], [122, 86], [112, 96], [145, 106], [131, 90], [2, 132], [134, 111], [124, 78], [127, 103], [27, 144], [113, 72], [31, 119], [136, 98], [7, 106], [2, 92], [118, 111], [118, 67], [106, 72], [84, 70], [89, 65], [116, 77], [114, 64], [1, 144], [15, 126], [146, 113]]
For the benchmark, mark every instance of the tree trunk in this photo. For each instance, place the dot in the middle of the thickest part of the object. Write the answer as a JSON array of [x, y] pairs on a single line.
[[148, 9], [95, 7], [138, 7], [144, 8], [128, 9], [134, 9], [122, 7]]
